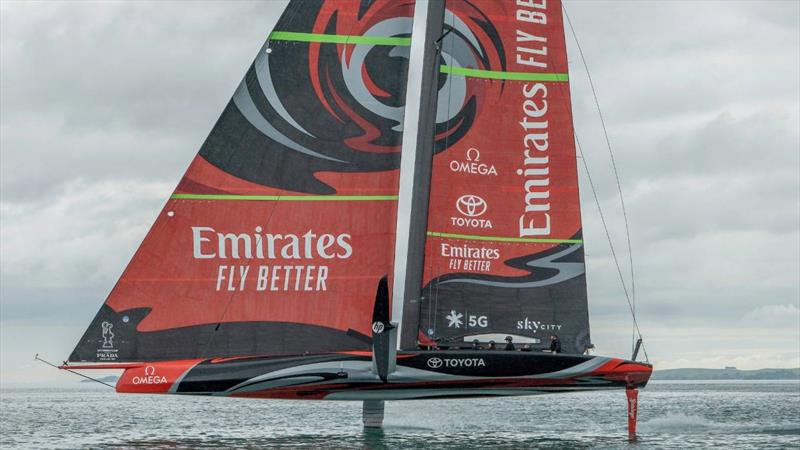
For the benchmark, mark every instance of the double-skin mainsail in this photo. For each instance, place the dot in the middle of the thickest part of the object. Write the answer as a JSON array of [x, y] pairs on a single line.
[[275, 237]]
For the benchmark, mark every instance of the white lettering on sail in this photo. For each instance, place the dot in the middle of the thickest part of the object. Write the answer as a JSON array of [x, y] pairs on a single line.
[[197, 242], [471, 207], [472, 164], [268, 246], [532, 51], [259, 246], [273, 278], [467, 257], [535, 221]]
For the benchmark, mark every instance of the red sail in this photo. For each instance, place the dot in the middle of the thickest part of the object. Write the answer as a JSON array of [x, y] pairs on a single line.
[[279, 232], [504, 248]]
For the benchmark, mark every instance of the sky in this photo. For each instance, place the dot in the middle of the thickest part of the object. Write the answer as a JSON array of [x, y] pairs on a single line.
[[103, 106]]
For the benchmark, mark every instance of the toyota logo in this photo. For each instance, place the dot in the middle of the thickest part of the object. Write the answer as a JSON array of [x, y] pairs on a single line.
[[434, 363], [471, 205]]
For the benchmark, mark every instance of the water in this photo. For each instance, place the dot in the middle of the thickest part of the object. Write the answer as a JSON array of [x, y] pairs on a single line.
[[733, 415]]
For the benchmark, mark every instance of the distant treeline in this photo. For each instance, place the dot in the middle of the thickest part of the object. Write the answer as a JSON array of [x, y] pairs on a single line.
[[727, 374]]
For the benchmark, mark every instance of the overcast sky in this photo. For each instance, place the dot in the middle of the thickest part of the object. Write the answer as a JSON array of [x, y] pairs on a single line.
[[103, 105]]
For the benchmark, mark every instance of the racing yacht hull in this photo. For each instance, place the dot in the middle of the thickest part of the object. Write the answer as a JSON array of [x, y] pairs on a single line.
[[351, 376]]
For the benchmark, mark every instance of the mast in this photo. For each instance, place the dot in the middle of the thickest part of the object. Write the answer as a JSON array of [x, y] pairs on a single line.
[[415, 168]]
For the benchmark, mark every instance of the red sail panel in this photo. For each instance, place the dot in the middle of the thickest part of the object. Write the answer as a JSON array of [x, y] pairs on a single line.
[[277, 236], [504, 250]]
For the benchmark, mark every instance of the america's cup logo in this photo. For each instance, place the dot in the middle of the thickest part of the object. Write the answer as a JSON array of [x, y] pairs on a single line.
[[471, 205], [108, 335]]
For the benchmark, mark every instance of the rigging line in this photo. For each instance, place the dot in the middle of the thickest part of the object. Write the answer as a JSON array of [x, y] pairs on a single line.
[[608, 236], [36, 357], [233, 294], [632, 299], [611, 154], [440, 51], [289, 22]]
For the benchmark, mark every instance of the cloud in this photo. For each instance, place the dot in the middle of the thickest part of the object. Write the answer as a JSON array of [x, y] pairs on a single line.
[[777, 316], [120, 90]]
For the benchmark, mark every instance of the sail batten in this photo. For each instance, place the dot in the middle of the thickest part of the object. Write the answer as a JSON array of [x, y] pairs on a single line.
[[472, 237], [339, 38], [503, 75]]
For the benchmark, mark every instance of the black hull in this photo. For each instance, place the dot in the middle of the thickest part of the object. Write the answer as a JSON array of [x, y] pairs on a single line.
[[418, 375]]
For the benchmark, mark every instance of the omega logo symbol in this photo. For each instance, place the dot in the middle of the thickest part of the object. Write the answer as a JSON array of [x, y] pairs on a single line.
[[149, 377], [434, 363], [471, 205]]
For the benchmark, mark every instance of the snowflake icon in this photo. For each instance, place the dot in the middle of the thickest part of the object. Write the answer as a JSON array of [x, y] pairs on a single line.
[[455, 319]]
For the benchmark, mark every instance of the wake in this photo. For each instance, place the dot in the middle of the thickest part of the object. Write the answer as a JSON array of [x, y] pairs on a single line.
[[677, 423]]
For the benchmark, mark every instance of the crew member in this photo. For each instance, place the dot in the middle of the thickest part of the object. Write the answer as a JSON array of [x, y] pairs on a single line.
[[509, 344], [555, 344], [492, 346], [476, 345], [525, 348]]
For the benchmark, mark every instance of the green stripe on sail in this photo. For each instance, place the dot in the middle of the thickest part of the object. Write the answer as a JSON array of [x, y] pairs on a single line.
[[338, 38], [287, 198], [499, 75], [504, 239]]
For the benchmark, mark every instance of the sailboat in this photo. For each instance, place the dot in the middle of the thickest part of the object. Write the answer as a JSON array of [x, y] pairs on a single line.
[[391, 190]]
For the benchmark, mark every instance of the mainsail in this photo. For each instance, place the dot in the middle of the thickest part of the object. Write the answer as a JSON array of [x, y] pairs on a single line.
[[504, 252], [277, 235]]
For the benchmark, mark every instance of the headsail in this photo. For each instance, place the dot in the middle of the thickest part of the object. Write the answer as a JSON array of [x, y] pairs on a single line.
[[504, 252], [276, 237]]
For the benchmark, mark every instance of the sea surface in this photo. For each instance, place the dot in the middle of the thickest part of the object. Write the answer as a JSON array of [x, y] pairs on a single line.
[[672, 415]]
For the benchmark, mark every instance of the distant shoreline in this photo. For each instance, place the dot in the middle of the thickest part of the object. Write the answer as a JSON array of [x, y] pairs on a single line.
[[689, 374], [725, 374]]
